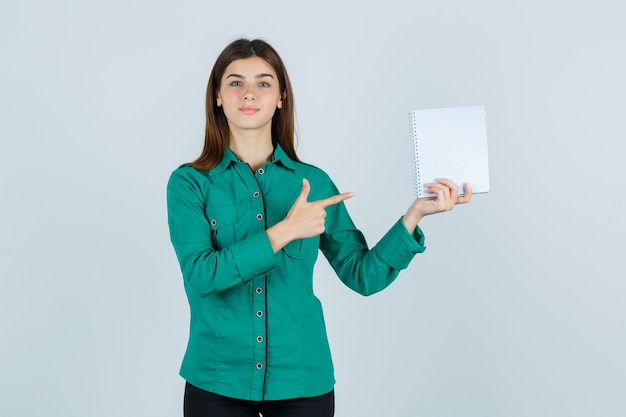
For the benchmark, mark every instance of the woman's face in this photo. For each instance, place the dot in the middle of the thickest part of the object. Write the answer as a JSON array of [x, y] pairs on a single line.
[[249, 94]]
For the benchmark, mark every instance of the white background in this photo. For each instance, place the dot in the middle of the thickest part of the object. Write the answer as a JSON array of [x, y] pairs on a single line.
[[515, 309]]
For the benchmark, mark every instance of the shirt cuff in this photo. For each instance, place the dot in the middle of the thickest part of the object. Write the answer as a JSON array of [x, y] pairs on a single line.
[[398, 247], [253, 256]]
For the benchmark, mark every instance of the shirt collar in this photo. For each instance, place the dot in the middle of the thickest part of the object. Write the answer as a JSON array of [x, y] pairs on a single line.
[[280, 155], [229, 157]]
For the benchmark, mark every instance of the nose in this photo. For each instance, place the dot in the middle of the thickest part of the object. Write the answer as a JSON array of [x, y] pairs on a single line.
[[249, 94]]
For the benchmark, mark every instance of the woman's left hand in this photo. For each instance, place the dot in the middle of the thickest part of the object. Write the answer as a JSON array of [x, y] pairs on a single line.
[[446, 198]]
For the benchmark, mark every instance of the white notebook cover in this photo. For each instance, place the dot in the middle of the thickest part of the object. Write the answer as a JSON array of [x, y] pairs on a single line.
[[450, 143]]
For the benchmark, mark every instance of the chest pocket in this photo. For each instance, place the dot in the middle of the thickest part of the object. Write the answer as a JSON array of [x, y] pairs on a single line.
[[303, 248], [222, 224]]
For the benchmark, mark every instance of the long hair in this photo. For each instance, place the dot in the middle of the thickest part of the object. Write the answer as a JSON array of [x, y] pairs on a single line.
[[217, 133]]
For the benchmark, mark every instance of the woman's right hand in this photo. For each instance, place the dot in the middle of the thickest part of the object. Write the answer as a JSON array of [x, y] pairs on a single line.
[[304, 219]]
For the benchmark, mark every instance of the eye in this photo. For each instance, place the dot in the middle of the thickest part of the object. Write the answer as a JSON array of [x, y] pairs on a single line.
[[235, 83], [264, 84]]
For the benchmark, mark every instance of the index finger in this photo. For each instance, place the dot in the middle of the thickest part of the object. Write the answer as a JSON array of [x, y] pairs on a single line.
[[448, 183], [334, 199]]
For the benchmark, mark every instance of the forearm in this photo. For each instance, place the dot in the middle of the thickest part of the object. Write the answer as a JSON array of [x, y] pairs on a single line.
[[368, 271], [280, 235], [411, 219], [210, 271]]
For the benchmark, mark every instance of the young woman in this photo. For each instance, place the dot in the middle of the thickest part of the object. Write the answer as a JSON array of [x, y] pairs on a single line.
[[247, 220]]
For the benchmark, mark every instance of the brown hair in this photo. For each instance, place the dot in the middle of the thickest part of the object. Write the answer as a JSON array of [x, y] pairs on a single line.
[[217, 134]]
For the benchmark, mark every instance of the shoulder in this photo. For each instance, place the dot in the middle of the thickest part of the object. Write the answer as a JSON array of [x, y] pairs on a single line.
[[311, 171], [186, 171], [317, 177], [186, 177]]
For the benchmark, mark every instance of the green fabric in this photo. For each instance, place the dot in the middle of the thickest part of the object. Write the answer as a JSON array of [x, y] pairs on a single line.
[[257, 330]]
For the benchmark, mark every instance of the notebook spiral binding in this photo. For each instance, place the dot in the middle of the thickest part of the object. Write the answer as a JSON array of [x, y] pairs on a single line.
[[415, 157]]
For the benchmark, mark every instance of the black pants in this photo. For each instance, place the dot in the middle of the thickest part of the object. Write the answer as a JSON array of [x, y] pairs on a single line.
[[201, 403]]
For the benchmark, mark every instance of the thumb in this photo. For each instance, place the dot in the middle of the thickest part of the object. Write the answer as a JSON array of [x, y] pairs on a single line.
[[304, 194]]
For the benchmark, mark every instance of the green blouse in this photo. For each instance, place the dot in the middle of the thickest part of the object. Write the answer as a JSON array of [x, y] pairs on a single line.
[[257, 331]]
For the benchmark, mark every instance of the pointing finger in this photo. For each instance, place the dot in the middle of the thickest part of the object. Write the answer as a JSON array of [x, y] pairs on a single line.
[[335, 199]]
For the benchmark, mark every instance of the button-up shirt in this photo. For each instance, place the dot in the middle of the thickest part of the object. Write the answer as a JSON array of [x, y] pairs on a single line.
[[257, 330]]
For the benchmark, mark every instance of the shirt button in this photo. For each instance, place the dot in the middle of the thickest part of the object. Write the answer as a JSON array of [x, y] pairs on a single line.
[[261, 171], [259, 290], [259, 313], [213, 222], [256, 194], [259, 366], [259, 216], [259, 339]]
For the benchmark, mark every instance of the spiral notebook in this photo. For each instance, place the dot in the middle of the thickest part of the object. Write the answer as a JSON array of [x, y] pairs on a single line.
[[450, 143]]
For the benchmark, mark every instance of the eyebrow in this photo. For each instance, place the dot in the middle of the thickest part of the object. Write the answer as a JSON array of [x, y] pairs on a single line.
[[257, 76]]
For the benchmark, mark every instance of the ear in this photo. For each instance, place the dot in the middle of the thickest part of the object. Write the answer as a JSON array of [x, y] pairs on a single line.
[[218, 99], [280, 101]]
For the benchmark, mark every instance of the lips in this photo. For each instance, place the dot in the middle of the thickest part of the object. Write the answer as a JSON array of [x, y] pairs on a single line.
[[248, 110]]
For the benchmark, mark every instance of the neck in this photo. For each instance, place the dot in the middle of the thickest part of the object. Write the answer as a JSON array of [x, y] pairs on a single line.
[[254, 149]]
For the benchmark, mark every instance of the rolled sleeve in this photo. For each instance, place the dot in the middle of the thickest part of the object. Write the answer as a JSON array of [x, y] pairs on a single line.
[[254, 256], [398, 247]]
